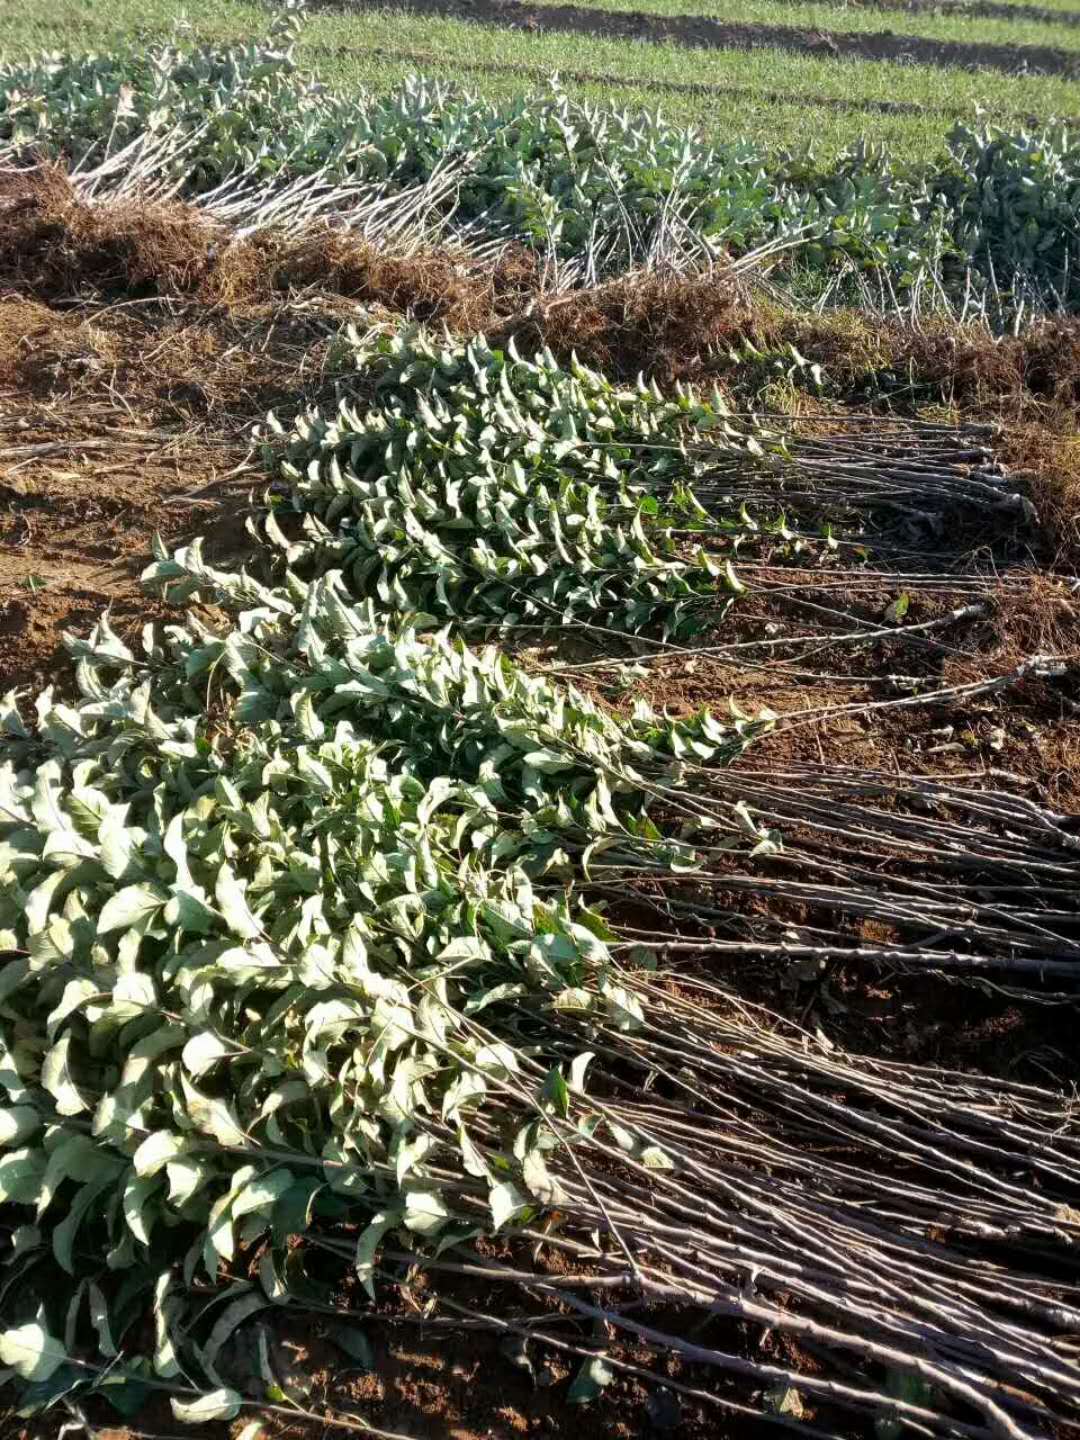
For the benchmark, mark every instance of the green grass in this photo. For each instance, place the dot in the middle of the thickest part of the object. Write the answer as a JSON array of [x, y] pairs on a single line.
[[838, 19], [339, 47], [805, 75]]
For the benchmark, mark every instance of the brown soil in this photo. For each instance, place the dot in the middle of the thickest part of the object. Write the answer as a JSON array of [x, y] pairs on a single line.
[[114, 425], [55, 246], [435, 1383], [975, 9], [702, 32], [429, 1382], [1029, 730]]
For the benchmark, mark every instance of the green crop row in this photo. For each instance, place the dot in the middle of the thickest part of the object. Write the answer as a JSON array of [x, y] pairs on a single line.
[[602, 189]]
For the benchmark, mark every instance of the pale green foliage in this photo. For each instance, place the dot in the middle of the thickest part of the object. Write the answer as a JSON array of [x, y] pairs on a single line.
[[31, 1351], [223, 1404], [1015, 199], [213, 112], [284, 894], [483, 487]]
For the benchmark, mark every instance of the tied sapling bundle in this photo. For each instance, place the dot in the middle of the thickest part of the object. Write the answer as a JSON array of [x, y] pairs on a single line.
[[300, 945]]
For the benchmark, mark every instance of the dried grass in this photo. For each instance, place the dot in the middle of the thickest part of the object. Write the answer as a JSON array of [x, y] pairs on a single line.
[[429, 285], [663, 326], [1049, 459], [55, 246]]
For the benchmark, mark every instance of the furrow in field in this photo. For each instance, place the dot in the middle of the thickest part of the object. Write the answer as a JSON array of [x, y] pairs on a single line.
[[826, 17], [661, 87], [967, 9], [704, 32]]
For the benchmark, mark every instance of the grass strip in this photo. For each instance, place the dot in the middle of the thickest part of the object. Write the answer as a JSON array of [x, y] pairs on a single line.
[[692, 29], [949, 24]]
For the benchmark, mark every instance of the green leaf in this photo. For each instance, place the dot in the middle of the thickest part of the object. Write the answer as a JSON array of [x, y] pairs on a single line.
[[549, 762], [368, 1244], [411, 1153], [233, 904], [130, 906], [293, 1210], [22, 1174], [785, 1400], [262, 1193], [540, 1180], [354, 1342], [732, 581], [40, 1395], [186, 1177], [117, 845], [227, 1323], [575, 1000], [896, 611], [137, 1193], [18, 1124], [57, 1080], [31, 1351], [904, 1385], [506, 1202], [623, 1006], [203, 1051], [556, 1092], [64, 1235], [188, 912], [166, 1360], [156, 1151], [126, 1394], [578, 1066], [653, 1158], [223, 1404], [99, 1318], [425, 1212], [24, 1238], [213, 1117]]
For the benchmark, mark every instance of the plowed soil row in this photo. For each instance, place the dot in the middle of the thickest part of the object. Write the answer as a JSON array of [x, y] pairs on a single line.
[[975, 9], [704, 32]]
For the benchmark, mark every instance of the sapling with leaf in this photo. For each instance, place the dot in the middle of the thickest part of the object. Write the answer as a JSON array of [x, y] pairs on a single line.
[[496, 491], [290, 924]]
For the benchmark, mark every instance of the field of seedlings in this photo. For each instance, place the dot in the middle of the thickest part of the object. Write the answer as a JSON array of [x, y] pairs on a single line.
[[540, 739]]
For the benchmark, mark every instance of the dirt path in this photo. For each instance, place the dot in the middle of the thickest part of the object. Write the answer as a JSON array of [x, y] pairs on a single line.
[[702, 32], [973, 9]]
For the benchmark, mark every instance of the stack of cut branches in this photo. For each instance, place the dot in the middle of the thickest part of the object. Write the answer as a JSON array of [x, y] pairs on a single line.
[[953, 877]]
